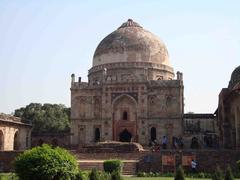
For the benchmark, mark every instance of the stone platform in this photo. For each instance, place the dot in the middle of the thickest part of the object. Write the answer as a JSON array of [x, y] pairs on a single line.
[[111, 147]]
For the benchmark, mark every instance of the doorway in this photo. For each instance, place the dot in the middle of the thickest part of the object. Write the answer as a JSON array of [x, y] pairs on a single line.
[[153, 134], [125, 136]]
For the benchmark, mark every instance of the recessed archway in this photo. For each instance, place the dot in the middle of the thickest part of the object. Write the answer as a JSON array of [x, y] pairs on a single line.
[[16, 144], [1, 140], [124, 117], [125, 136]]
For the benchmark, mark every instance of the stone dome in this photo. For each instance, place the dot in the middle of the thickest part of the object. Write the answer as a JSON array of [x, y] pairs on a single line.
[[131, 43], [235, 78]]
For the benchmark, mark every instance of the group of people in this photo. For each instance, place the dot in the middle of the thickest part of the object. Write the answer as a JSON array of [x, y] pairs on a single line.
[[177, 143]]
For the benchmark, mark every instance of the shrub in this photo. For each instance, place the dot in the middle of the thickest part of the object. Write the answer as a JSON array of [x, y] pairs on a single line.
[[141, 174], [179, 174], [94, 175], [46, 163], [81, 176], [116, 176], [112, 165], [98, 175], [229, 175], [218, 175]]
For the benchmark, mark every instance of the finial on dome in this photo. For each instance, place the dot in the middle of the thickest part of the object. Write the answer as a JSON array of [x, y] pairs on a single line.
[[129, 23]]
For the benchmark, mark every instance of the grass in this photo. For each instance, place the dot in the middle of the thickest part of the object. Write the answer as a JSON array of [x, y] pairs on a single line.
[[158, 178], [162, 178], [8, 176]]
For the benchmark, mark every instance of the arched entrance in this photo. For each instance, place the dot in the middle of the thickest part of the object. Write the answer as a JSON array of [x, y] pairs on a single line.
[[124, 118], [97, 135], [1, 140], [125, 136], [153, 134]]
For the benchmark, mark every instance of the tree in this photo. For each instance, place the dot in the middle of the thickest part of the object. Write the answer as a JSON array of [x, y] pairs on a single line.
[[46, 163], [46, 117], [179, 174]]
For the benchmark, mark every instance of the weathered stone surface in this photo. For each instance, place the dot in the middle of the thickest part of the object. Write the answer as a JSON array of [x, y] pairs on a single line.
[[130, 42], [130, 91], [14, 134]]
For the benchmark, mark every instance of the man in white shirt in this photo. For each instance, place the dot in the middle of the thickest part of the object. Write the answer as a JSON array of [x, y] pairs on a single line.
[[194, 166]]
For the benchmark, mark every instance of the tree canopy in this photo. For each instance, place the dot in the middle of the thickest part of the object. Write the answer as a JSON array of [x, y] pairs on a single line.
[[45, 118]]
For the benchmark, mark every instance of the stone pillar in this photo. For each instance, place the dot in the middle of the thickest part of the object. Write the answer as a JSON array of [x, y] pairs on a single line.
[[73, 78], [179, 76]]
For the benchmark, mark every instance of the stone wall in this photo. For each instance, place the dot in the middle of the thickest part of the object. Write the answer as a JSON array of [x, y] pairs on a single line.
[[206, 159], [7, 159], [55, 139], [14, 134]]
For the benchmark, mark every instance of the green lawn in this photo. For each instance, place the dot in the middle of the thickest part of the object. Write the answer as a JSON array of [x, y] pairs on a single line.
[[161, 178], [8, 176], [158, 178]]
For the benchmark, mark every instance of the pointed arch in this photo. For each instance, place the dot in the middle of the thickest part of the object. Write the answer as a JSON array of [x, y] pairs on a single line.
[[16, 143], [1, 140]]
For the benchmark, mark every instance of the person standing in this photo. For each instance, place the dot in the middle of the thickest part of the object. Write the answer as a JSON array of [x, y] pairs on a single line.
[[164, 142], [194, 166]]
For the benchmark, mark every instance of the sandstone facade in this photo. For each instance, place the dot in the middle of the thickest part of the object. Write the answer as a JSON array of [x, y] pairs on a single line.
[[131, 94], [14, 134]]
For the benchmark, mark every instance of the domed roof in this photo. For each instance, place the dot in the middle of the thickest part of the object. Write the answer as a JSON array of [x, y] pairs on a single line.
[[131, 43], [235, 78]]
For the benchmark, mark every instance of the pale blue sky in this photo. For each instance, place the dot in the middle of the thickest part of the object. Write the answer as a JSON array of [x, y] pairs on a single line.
[[43, 42]]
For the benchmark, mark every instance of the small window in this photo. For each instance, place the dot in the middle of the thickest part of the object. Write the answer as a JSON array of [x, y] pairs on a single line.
[[125, 115]]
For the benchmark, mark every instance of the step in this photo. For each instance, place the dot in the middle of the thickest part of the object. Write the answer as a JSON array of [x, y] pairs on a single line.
[[104, 156], [129, 166]]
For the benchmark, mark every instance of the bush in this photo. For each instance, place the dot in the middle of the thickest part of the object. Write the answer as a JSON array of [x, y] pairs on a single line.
[[116, 176], [98, 175], [112, 165], [179, 174], [94, 175], [229, 175], [81, 176], [218, 175], [46, 163], [8, 176]]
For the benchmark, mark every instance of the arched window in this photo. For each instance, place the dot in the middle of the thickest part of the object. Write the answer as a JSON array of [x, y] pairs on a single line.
[[97, 135], [153, 134], [125, 115], [194, 143]]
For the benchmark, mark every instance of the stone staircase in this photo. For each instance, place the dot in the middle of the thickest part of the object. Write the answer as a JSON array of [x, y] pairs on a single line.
[[88, 161], [129, 166]]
